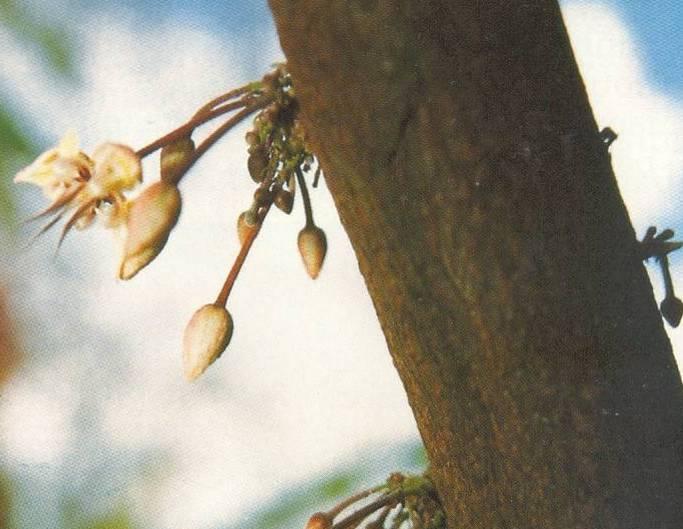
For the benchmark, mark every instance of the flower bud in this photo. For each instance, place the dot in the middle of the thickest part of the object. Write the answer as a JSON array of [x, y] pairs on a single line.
[[284, 200], [206, 337], [271, 81], [174, 158], [319, 520], [246, 223], [151, 218], [312, 247], [251, 137], [257, 163], [262, 196], [672, 310]]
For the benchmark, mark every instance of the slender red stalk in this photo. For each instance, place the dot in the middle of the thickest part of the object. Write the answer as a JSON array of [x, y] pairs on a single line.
[[187, 128], [222, 298], [216, 135], [222, 98]]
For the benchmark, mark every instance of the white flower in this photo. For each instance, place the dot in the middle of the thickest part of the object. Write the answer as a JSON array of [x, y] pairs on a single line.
[[92, 186]]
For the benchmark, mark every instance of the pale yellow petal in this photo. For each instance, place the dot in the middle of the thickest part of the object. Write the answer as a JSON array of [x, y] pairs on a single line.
[[39, 172], [68, 145], [117, 168]]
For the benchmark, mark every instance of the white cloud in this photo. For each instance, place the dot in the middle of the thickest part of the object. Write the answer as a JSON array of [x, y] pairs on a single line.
[[35, 426], [307, 378]]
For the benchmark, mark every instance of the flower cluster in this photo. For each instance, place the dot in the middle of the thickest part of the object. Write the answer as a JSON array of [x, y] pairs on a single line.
[[90, 186], [107, 186], [401, 501], [97, 187]]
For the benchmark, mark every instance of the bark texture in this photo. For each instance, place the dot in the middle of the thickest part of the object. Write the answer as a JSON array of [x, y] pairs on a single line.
[[457, 140]]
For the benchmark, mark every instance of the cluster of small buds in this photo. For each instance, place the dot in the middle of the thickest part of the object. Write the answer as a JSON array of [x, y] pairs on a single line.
[[660, 246], [402, 501], [278, 159], [99, 186]]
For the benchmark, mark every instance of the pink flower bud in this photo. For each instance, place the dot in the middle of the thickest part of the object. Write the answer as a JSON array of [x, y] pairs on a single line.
[[150, 219], [206, 337]]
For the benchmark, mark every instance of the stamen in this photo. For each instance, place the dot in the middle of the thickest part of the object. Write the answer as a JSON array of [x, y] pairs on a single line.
[[80, 212], [58, 204]]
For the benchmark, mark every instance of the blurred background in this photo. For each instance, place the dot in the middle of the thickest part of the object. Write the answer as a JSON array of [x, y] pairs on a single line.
[[98, 429]]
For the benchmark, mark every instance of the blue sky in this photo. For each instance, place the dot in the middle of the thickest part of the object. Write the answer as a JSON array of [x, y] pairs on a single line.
[[658, 26]]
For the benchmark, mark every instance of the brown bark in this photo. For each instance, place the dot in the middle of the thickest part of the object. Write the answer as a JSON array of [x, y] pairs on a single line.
[[463, 157]]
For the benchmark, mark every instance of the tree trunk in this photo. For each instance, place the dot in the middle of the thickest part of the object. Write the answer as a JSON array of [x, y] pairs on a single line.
[[459, 146]]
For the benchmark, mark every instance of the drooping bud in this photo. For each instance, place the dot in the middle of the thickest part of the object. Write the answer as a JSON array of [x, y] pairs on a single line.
[[174, 158], [206, 337], [319, 520], [312, 247], [672, 310], [151, 218], [246, 223], [284, 200]]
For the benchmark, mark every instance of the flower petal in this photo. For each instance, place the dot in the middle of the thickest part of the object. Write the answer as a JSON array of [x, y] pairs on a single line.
[[117, 168], [68, 145]]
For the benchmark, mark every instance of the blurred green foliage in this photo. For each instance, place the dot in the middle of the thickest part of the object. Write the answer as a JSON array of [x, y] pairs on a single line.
[[119, 519], [6, 493], [52, 42], [16, 146], [292, 508]]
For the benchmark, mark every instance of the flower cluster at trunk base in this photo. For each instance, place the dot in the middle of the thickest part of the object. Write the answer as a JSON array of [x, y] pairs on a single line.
[[402, 501], [107, 186]]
